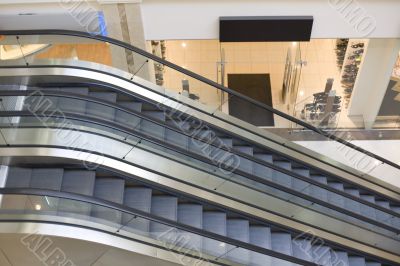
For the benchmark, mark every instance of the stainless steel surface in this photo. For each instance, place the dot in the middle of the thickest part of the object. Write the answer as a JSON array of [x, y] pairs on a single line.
[[144, 156], [160, 256], [127, 169], [169, 98]]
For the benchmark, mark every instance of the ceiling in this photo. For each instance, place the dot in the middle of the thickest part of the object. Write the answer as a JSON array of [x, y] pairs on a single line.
[[199, 19], [82, 253], [48, 16]]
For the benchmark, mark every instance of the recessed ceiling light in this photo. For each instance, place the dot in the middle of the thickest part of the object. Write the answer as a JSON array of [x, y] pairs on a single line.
[[38, 207], [184, 45]]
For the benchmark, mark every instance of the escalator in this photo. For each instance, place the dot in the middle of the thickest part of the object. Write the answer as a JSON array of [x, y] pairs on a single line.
[[251, 195], [148, 205]]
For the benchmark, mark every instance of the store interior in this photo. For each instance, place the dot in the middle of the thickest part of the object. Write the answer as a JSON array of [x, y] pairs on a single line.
[[312, 81]]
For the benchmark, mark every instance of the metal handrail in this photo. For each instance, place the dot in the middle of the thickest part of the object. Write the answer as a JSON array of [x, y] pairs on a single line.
[[200, 78]]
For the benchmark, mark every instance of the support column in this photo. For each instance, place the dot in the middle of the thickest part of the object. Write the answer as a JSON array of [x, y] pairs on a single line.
[[136, 32], [113, 23], [373, 79], [124, 22], [3, 179]]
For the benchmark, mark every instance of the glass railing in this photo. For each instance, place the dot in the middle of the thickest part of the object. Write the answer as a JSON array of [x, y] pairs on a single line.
[[79, 47], [133, 130], [192, 244]]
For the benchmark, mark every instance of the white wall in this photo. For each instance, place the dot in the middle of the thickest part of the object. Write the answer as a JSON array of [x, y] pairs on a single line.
[[388, 149], [198, 19], [48, 16], [369, 90]]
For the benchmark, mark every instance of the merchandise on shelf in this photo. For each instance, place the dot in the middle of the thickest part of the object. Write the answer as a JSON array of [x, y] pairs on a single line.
[[352, 59]]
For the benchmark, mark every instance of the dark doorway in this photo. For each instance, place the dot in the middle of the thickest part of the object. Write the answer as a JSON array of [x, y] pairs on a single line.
[[389, 106], [256, 86]]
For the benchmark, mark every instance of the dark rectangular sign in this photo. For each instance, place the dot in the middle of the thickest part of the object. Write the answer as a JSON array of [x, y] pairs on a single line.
[[265, 29]]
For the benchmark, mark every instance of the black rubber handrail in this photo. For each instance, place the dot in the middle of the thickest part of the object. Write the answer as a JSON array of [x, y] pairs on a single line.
[[266, 182], [154, 218], [200, 78]]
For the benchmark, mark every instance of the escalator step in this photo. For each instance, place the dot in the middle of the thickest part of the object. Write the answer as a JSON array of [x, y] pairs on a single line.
[[221, 149], [282, 242], [166, 207], [260, 236], [281, 178], [228, 142], [350, 204], [372, 264], [322, 255], [73, 105], [18, 177], [339, 258], [366, 210], [177, 137], [318, 192], [200, 142], [245, 165], [137, 198], [47, 178], [356, 261], [381, 216], [99, 110], [396, 220], [301, 185], [110, 189], [191, 214], [37, 102], [127, 119], [151, 128], [214, 222], [238, 229], [302, 249], [80, 182], [261, 170], [335, 198]]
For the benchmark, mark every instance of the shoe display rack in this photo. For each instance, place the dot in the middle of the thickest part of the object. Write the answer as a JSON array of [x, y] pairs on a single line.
[[159, 49], [341, 47], [351, 64]]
